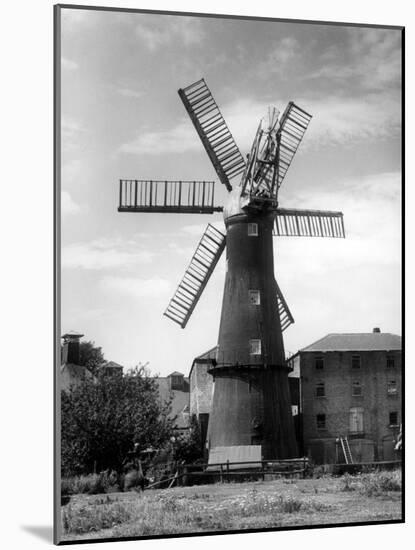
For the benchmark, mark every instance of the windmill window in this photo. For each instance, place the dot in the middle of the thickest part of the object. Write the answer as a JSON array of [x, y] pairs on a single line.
[[356, 362], [392, 388], [356, 388], [321, 421], [319, 363], [252, 230], [255, 347], [393, 418], [254, 297], [390, 362], [320, 389]]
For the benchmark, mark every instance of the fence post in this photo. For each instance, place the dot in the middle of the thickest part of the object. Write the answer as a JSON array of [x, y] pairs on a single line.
[[263, 471], [227, 470], [221, 473]]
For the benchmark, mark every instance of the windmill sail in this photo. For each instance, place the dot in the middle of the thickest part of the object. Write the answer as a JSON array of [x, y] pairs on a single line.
[[213, 131], [294, 123], [308, 223], [284, 312], [191, 197], [200, 269]]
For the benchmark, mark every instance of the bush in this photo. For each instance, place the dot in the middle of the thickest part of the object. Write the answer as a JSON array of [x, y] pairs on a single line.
[[92, 484]]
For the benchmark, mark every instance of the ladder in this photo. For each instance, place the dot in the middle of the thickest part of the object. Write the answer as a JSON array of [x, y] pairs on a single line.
[[213, 131], [197, 275], [346, 450]]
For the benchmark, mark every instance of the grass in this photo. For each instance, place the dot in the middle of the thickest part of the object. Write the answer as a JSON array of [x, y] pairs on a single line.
[[235, 506]]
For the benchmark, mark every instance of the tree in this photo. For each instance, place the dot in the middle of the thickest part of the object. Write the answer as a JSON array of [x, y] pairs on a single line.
[[103, 418], [91, 357], [188, 447]]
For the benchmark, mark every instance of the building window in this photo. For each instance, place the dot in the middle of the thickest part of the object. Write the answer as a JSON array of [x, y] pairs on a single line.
[[392, 388], [320, 389], [356, 362], [255, 347], [252, 230], [254, 297], [319, 363], [356, 420], [393, 418], [390, 362], [356, 388], [321, 421]]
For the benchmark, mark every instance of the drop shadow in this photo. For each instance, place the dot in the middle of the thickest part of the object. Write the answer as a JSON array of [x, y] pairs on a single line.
[[43, 532]]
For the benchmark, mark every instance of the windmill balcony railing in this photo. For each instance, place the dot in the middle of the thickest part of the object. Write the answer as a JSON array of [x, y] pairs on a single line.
[[242, 360], [181, 196]]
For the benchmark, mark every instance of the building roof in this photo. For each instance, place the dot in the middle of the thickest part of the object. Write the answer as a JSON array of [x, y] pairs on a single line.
[[175, 373], [204, 357], [72, 334], [361, 341], [111, 365]]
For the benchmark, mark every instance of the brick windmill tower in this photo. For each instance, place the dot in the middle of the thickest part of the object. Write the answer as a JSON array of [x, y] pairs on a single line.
[[251, 401]]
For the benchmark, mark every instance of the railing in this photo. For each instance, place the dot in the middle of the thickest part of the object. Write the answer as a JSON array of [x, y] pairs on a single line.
[[179, 196], [243, 359]]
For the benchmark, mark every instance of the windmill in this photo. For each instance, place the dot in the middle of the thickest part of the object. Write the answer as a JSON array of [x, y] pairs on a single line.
[[251, 401]]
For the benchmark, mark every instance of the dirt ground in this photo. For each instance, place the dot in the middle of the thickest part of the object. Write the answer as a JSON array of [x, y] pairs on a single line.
[[228, 506]]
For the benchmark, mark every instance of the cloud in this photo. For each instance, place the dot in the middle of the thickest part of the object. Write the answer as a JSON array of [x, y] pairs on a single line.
[[68, 205], [70, 172], [281, 56], [71, 132], [336, 120], [372, 218], [345, 285], [69, 64], [159, 32], [138, 288], [101, 254], [179, 139], [128, 92], [370, 59], [196, 229]]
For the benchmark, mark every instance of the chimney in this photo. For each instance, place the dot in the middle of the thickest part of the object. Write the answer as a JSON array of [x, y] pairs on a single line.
[[71, 340], [376, 329]]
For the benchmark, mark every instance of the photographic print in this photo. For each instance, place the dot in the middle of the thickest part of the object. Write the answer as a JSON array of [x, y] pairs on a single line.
[[228, 267]]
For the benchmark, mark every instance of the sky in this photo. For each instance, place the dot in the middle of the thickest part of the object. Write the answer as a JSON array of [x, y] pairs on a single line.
[[122, 118]]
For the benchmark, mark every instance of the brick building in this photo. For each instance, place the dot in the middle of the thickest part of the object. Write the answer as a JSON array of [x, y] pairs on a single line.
[[351, 386]]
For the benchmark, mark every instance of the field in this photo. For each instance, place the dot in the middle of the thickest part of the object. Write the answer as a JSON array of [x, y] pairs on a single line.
[[234, 506]]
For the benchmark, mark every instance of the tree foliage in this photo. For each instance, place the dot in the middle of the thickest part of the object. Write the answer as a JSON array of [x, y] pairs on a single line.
[[188, 447], [101, 419], [91, 356]]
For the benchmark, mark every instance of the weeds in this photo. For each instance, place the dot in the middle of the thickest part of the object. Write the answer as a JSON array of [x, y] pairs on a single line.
[[374, 483], [93, 518]]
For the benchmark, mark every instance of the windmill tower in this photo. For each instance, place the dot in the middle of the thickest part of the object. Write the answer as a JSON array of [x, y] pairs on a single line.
[[251, 401]]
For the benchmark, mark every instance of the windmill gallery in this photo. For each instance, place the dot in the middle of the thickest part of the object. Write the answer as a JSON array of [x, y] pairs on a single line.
[[251, 402]]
